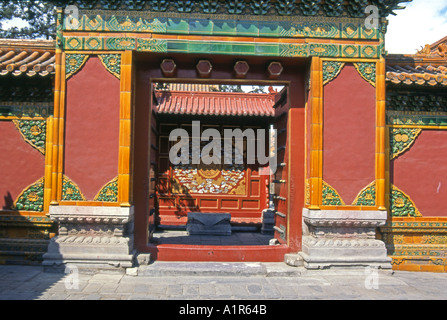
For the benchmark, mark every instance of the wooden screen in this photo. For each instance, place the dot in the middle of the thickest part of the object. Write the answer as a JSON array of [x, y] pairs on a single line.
[[236, 188]]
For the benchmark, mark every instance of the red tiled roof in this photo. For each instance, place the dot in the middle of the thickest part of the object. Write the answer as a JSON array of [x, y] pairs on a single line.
[[30, 57], [215, 103]]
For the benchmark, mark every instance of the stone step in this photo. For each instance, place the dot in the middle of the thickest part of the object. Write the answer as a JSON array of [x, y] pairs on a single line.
[[264, 269]]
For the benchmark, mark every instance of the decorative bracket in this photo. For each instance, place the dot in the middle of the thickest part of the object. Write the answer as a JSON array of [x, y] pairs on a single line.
[[112, 62], [73, 63], [331, 69], [401, 139], [367, 70]]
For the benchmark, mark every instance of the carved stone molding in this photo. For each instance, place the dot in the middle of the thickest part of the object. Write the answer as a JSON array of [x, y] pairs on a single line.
[[343, 238], [344, 218], [92, 238]]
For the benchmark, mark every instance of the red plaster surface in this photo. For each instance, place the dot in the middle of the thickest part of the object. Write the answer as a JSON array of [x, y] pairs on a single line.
[[421, 172], [22, 165], [349, 134], [92, 128]]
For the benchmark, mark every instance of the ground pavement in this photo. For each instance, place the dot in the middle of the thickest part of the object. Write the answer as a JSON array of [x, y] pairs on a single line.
[[219, 281]]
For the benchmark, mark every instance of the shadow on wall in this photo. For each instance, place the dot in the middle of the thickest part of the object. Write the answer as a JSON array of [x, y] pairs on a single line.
[[8, 201]]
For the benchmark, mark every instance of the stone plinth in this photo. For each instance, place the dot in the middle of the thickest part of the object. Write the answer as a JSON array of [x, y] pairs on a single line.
[[93, 238], [200, 223], [342, 238]]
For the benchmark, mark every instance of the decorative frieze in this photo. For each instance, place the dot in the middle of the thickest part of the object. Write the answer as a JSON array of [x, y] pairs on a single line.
[[219, 47], [331, 8]]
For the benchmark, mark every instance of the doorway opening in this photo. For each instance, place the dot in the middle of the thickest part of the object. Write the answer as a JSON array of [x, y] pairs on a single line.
[[176, 93], [230, 124]]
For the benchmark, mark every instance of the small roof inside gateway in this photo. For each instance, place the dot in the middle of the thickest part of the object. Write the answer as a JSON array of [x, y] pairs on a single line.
[[205, 99]]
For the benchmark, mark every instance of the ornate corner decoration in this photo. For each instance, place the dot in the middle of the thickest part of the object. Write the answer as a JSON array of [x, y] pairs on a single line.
[[112, 62], [31, 198], [331, 196], [401, 204], [331, 69], [71, 191], [34, 132], [73, 63], [401, 139], [108, 193], [366, 197], [367, 71]]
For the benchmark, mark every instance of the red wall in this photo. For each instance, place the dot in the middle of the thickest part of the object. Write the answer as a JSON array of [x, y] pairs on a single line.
[[92, 127], [21, 164], [421, 172], [349, 133]]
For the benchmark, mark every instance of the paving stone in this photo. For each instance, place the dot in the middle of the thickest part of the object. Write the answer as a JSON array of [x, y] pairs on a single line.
[[261, 284]]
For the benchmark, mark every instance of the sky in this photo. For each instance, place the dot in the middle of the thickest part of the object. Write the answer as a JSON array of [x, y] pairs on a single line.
[[421, 22]]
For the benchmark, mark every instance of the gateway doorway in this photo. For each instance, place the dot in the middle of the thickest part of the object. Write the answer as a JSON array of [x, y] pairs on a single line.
[[242, 190], [234, 183]]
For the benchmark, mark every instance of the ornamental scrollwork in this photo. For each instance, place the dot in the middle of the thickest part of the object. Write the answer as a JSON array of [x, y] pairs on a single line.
[[108, 193], [367, 70], [32, 198], [331, 69], [366, 197], [74, 62], [112, 62], [33, 132], [401, 139], [401, 204], [70, 191], [331, 196]]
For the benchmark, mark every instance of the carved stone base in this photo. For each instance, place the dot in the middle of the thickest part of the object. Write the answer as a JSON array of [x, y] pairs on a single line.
[[342, 238], [91, 238]]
